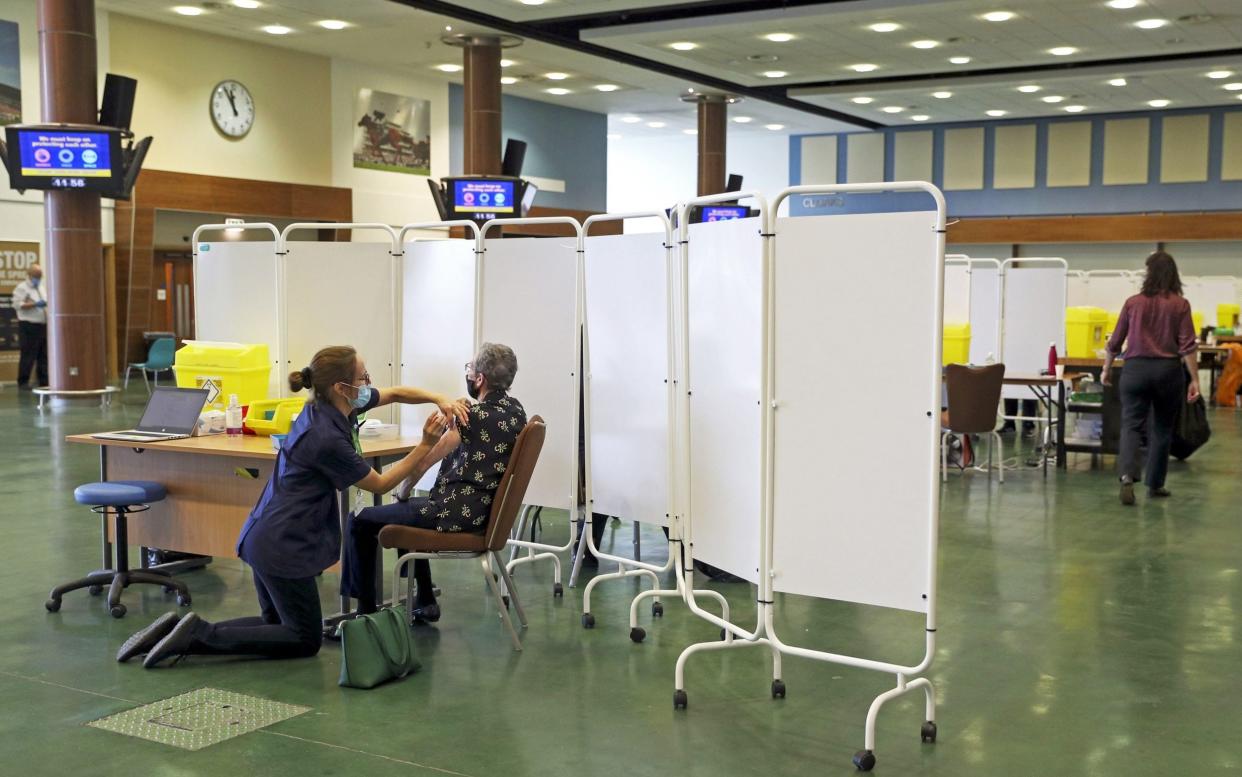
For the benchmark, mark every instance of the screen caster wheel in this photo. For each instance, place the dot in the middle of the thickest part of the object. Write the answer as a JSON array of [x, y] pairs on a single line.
[[95, 590], [52, 605], [864, 760], [928, 733], [558, 590], [637, 634], [183, 600], [723, 635], [679, 700], [588, 620], [778, 689], [657, 610], [117, 610], [505, 599]]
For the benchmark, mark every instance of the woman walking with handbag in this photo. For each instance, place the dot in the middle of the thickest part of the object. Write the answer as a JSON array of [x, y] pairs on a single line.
[[1160, 352]]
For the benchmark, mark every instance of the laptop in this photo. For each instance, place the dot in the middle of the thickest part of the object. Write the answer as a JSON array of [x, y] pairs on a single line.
[[170, 414]]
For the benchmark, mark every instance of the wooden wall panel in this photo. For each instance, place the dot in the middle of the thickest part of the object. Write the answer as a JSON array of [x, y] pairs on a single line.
[[1129, 228]]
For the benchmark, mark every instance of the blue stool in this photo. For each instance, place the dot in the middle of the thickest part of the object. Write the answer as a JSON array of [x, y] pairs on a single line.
[[119, 499]]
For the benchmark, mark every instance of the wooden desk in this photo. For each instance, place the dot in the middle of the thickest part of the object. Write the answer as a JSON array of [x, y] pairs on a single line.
[[1043, 386]]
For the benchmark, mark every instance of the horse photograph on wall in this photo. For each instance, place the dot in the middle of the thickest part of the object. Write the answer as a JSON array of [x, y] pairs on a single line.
[[392, 133]]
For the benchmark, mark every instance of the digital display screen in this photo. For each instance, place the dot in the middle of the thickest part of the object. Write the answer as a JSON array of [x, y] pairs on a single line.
[[484, 196], [724, 213], [62, 158]]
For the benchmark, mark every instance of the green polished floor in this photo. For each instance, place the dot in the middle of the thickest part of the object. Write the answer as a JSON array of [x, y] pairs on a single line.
[[1076, 637]]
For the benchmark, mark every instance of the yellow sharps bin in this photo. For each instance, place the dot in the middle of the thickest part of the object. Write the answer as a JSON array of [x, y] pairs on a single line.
[[1084, 331], [1227, 315], [956, 349], [224, 368]]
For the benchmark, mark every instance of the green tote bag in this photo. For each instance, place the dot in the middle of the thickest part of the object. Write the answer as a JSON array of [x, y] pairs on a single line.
[[376, 648]]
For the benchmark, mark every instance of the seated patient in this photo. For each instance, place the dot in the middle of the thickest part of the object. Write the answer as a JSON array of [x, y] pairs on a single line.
[[474, 455]]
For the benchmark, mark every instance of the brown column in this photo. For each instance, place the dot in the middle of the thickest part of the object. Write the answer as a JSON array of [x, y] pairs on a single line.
[[713, 132], [481, 105], [77, 350]]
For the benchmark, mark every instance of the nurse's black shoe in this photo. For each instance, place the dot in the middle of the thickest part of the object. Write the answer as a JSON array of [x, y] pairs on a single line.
[[425, 613], [175, 644], [1127, 492], [1159, 493], [142, 641]]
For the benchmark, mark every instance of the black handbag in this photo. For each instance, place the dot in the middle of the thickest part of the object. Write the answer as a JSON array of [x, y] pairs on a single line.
[[1191, 432]]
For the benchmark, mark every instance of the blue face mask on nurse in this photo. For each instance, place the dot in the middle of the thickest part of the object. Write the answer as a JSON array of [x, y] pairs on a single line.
[[363, 397]]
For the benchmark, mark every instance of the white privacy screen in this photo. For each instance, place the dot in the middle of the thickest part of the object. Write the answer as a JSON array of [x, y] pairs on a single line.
[[529, 301], [854, 452], [437, 325], [1076, 294], [1110, 290], [627, 320], [985, 311], [341, 294], [724, 316], [957, 292], [1206, 293], [235, 299], [1034, 318]]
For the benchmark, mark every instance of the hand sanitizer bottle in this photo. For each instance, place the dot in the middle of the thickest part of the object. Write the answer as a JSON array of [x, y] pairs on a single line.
[[233, 416]]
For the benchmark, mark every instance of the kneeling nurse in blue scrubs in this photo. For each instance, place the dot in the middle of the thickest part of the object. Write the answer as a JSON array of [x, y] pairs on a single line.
[[293, 533]]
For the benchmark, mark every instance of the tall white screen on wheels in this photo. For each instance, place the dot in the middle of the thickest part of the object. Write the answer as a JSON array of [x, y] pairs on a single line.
[[1034, 318], [437, 324], [235, 298], [985, 310], [957, 292], [341, 294], [529, 300], [627, 347], [725, 320], [855, 425]]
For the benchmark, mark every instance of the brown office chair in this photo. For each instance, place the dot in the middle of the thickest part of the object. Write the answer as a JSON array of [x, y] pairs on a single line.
[[432, 544], [974, 395]]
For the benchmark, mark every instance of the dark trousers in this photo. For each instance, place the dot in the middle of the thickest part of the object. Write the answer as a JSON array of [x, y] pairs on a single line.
[[290, 626], [33, 339], [361, 546], [1030, 409], [1152, 391]]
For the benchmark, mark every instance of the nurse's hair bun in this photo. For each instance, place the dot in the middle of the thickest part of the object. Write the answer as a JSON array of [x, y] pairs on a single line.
[[301, 379]]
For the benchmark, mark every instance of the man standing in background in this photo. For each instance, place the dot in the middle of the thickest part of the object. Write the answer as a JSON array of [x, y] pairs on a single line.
[[31, 307]]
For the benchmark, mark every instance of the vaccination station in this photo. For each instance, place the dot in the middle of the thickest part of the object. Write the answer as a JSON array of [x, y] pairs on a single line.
[[621, 387]]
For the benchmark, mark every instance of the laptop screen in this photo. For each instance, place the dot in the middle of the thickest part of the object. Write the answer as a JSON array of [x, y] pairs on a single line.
[[173, 410]]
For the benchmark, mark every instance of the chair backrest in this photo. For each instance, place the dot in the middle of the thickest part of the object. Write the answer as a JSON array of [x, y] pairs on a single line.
[[974, 395], [160, 357], [512, 488]]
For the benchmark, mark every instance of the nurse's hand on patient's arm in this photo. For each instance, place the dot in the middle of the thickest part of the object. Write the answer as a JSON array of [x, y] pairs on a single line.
[[456, 409], [434, 428]]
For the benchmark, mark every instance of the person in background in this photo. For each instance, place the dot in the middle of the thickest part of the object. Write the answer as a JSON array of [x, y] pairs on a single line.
[[294, 533], [1160, 351], [475, 452], [31, 305]]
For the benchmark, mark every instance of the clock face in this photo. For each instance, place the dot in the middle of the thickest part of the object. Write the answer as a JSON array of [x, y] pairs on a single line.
[[232, 109]]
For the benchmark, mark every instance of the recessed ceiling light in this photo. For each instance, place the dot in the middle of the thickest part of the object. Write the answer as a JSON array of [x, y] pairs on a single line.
[[1220, 74], [998, 16], [743, 119], [449, 68], [1158, 103], [959, 60], [332, 24], [1075, 108], [689, 132], [1118, 82], [774, 74], [656, 124], [630, 119], [1053, 98], [942, 95], [606, 87], [188, 10], [532, 2], [774, 127], [920, 117], [556, 76], [996, 114], [862, 100], [507, 63], [557, 90], [1152, 24], [1029, 88], [1122, 5], [892, 109], [508, 80], [249, 5], [865, 67], [779, 37], [278, 29], [885, 27], [1234, 87], [614, 136], [925, 44], [684, 45], [1063, 51]]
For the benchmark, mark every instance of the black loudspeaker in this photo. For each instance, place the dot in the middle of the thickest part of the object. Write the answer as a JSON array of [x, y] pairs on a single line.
[[734, 184], [437, 196], [118, 101], [515, 155]]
